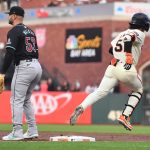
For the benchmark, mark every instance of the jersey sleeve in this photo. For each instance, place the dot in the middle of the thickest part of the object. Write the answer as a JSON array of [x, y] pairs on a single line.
[[139, 36], [12, 39], [129, 37]]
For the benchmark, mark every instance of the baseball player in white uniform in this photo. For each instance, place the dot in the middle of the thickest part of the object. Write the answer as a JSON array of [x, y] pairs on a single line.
[[126, 49]]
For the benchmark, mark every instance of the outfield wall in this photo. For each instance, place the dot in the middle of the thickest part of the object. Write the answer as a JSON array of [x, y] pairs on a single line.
[[57, 107], [49, 107]]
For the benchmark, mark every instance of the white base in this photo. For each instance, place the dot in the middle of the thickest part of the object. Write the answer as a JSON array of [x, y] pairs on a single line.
[[72, 138]]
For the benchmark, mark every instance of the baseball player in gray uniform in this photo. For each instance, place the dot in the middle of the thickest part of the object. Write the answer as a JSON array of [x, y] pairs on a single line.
[[22, 48], [126, 49]]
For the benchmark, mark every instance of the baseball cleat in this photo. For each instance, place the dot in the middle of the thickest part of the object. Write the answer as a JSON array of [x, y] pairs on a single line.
[[27, 135], [125, 122], [12, 137], [78, 111]]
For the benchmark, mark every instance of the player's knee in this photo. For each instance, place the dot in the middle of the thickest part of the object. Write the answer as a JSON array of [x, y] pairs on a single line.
[[140, 90]]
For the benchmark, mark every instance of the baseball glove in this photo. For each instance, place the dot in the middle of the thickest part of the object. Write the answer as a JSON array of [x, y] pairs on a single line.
[[1, 83]]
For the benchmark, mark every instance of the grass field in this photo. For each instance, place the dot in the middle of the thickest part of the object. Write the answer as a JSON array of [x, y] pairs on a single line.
[[99, 145], [85, 128], [75, 146]]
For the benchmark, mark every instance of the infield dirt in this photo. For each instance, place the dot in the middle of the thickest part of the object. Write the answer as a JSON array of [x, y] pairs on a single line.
[[44, 136]]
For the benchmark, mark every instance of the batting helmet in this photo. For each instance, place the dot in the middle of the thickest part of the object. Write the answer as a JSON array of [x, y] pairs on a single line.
[[140, 20]]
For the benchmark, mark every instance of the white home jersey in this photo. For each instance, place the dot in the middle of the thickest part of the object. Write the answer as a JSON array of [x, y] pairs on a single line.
[[134, 35]]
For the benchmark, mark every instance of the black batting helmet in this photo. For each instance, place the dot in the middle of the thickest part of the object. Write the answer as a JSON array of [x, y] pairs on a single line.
[[140, 20]]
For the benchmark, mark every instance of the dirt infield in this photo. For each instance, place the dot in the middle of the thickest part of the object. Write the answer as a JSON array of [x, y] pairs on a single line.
[[44, 136]]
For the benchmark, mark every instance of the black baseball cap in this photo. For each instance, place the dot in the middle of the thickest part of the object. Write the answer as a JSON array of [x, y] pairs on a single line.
[[16, 10]]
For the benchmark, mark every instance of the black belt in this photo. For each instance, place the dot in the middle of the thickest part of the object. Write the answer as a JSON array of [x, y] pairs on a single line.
[[27, 60]]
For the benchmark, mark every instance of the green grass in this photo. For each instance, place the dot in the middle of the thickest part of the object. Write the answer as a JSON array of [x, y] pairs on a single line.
[[99, 145], [86, 128], [75, 145]]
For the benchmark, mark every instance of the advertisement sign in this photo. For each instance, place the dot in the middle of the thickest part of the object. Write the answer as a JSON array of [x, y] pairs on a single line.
[[49, 107], [41, 37], [5, 110], [128, 9], [83, 45]]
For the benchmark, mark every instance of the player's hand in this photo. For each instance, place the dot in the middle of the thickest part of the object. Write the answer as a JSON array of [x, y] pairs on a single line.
[[127, 66]]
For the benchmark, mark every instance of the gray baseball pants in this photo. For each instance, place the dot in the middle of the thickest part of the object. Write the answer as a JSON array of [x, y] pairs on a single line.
[[27, 74]]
